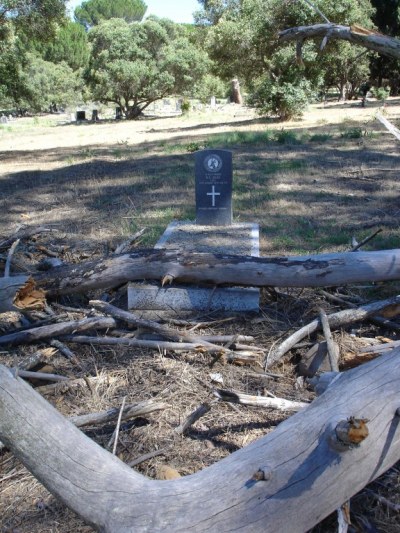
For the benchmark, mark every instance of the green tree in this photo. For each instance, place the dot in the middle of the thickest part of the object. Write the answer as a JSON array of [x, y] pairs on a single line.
[[46, 83], [242, 42], [69, 45], [133, 65], [92, 12], [35, 18]]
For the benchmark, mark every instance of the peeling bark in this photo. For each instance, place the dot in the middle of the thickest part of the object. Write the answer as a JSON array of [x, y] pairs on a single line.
[[19, 293]]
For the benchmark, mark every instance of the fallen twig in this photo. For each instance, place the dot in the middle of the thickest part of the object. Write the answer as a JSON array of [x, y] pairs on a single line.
[[193, 417], [333, 349], [146, 457], [364, 241], [259, 401], [38, 375], [11, 251], [115, 435], [64, 350], [381, 499], [124, 246], [130, 411]]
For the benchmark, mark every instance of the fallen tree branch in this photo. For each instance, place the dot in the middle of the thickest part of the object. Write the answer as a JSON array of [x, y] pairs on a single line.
[[137, 343], [56, 330], [169, 333], [302, 464], [348, 316], [186, 267]]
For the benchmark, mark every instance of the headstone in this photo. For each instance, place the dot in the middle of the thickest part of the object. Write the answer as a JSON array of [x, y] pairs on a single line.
[[118, 113], [213, 169], [80, 115], [212, 232], [3, 119], [213, 102], [95, 115]]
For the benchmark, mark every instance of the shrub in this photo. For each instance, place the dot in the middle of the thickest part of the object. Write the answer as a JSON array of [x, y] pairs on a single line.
[[381, 93], [286, 100], [185, 106]]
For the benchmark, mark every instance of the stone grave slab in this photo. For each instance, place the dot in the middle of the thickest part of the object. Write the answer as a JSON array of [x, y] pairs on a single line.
[[239, 239]]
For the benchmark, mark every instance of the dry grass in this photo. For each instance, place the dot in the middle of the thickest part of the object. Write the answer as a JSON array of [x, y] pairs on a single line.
[[96, 184]]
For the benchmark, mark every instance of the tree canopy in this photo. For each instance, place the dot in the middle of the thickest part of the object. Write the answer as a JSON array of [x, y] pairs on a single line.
[[36, 18], [92, 12], [132, 65]]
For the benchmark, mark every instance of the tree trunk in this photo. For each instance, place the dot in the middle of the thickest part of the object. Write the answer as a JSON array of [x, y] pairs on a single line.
[[19, 293], [288, 480], [236, 96], [382, 44], [186, 267]]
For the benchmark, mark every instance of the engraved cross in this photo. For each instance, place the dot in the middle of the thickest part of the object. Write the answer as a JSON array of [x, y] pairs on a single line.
[[213, 194]]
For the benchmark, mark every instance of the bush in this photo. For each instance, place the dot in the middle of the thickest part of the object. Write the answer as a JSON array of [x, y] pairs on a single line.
[[210, 86], [285, 100], [185, 107], [381, 93]]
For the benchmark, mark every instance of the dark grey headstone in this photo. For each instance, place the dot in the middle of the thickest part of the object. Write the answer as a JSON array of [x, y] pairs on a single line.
[[95, 115], [118, 113], [214, 187], [80, 115]]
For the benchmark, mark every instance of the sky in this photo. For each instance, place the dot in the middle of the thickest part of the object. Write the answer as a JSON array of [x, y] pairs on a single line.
[[176, 10]]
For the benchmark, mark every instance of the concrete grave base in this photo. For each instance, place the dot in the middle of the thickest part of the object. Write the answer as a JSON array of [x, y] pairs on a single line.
[[237, 239]]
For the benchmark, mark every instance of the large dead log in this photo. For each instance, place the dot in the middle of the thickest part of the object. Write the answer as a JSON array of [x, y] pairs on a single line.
[[299, 271], [288, 480], [372, 40]]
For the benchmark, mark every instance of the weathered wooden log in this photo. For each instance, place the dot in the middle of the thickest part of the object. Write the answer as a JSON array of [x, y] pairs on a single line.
[[309, 463], [19, 293], [372, 40], [299, 271]]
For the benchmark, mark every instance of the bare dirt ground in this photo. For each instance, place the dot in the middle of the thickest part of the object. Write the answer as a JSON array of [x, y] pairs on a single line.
[[325, 178]]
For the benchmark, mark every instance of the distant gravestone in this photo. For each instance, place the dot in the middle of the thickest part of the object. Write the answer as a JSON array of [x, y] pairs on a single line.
[[3, 119], [213, 102], [213, 169], [80, 115], [95, 115], [118, 113]]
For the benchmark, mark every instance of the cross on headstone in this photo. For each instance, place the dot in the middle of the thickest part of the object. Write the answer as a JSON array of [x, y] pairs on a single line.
[[214, 188], [213, 194]]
